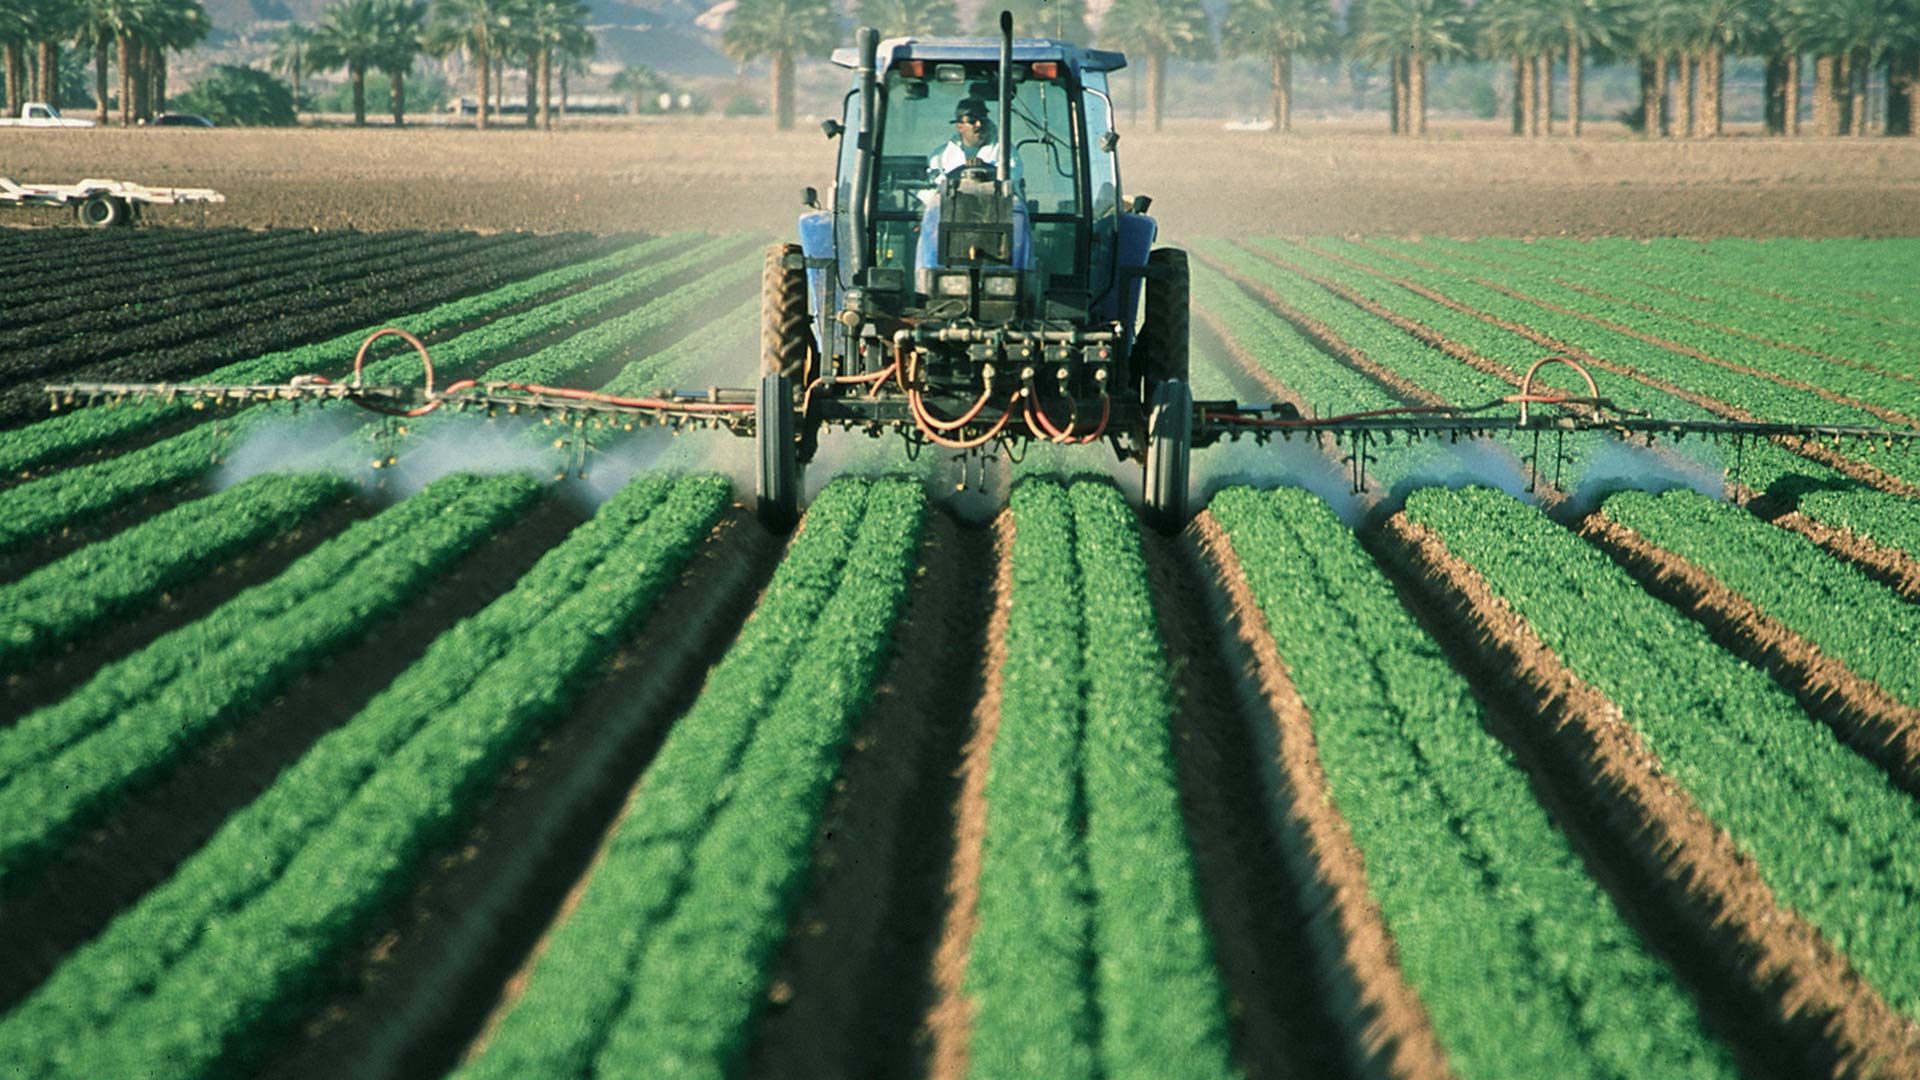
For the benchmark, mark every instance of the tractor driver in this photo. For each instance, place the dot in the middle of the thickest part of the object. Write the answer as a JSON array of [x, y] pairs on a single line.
[[974, 142]]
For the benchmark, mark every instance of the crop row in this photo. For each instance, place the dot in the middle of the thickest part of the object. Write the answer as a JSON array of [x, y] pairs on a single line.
[[1830, 835], [1522, 963], [1764, 399], [63, 601], [209, 968], [1090, 957], [70, 434], [1687, 292], [167, 277], [104, 337], [89, 253], [1834, 606], [389, 295], [32, 509], [659, 969], [281, 259], [140, 715], [1862, 387]]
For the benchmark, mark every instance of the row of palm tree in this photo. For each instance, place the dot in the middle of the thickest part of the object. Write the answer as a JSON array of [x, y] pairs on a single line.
[[1680, 46], [137, 35], [387, 36]]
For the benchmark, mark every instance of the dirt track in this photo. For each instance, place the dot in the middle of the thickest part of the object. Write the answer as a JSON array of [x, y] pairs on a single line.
[[725, 175]]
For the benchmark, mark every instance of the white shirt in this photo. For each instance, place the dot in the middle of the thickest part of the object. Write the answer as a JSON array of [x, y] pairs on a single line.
[[953, 155]]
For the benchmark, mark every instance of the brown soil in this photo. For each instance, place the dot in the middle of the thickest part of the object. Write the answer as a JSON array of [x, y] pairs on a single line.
[[1889, 566], [1775, 987], [948, 1023], [1865, 716], [722, 174], [857, 972], [1891, 416], [1807, 448], [431, 971], [1254, 909], [1364, 986]]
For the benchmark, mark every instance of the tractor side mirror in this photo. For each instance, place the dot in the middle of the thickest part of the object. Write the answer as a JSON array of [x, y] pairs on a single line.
[[1140, 204], [832, 127], [810, 198], [1108, 141]]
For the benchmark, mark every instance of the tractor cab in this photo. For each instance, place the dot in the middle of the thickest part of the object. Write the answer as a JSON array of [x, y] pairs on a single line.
[[971, 202]]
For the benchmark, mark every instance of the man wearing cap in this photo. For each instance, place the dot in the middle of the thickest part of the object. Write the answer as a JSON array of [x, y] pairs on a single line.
[[973, 143]]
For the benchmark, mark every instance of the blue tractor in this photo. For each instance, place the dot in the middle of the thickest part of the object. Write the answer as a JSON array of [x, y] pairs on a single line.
[[976, 277]]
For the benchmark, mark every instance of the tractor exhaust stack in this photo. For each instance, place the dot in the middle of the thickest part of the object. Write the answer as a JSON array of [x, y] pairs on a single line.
[[1003, 155], [867, 40]]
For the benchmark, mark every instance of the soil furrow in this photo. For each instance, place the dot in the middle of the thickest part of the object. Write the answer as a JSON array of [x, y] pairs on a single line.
[[437, 967], [857, 972], [1363, 986], [1889, 566], [947, 1023], [1254, 907], [1765, 978], [1866, 717]]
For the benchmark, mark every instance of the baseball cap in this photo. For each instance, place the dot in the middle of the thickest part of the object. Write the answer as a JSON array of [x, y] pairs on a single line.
[[970, 109]]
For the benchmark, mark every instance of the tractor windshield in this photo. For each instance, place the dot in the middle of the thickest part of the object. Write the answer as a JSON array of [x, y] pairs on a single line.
[[920, 139]]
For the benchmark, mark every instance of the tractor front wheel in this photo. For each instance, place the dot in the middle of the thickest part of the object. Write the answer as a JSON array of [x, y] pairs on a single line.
[[778, 478], [1169, 448]]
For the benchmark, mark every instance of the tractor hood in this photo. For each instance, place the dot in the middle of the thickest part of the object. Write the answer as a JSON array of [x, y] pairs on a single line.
[[985, 50]]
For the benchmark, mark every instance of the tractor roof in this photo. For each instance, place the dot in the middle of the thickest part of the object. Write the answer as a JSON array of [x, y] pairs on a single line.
[[1025, 51]]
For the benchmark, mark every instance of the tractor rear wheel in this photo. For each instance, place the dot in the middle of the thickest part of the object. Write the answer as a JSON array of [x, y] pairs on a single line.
[[778, 474], [1169, 448], [1162, 341], [786, 332]]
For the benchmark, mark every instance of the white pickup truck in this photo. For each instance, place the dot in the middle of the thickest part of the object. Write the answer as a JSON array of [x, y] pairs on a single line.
[[41, 115]]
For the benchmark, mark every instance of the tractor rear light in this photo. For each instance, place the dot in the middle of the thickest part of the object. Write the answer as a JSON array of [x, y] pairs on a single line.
[[912, 69], [1046, 69], [953, 285], [1000, 286]]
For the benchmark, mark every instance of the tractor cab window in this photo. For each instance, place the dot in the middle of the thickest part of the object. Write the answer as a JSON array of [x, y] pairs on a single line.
[[1103, 183], [922, 101]]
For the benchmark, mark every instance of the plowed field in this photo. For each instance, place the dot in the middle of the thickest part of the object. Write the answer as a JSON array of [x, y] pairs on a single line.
[[337, 746]]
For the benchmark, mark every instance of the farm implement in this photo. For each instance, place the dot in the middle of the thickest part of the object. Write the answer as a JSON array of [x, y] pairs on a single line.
[[101, 204], [974, 286]]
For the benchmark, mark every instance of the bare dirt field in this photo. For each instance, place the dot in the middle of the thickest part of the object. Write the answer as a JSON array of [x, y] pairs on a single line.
[[726, 174]]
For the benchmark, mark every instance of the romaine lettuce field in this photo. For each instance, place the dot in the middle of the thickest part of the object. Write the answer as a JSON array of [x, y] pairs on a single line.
[[347, 746]]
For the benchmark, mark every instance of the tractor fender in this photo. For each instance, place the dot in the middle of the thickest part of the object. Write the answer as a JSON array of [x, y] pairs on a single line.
[[1135, 242], [816, 244]]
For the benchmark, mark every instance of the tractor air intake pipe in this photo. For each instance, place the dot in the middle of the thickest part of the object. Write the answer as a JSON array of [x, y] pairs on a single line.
[[867, 40], [1004, 153]]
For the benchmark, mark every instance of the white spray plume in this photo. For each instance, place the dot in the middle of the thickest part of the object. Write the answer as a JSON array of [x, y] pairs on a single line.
[[1297, 463], [1461, 464], [315, 440], [1624, 466]]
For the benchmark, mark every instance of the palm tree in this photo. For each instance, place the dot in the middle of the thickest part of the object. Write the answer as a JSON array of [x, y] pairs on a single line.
[[1583, 24], [1278, 30], [556, 26], [475, 26], [402, 25], [1660, 34], [290, 57], [1410, 34], [176, 25], [351, 35], [1160, 29], [1856, 36], [636, 82], [1520, 31], [95, 35], [911, 18], [53, 22], [780, 30], [16, 16]]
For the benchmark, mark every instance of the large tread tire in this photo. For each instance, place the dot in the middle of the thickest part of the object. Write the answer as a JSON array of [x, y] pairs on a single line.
[[1169, 452], [778, 474], [786, 331], [1162, 342]]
